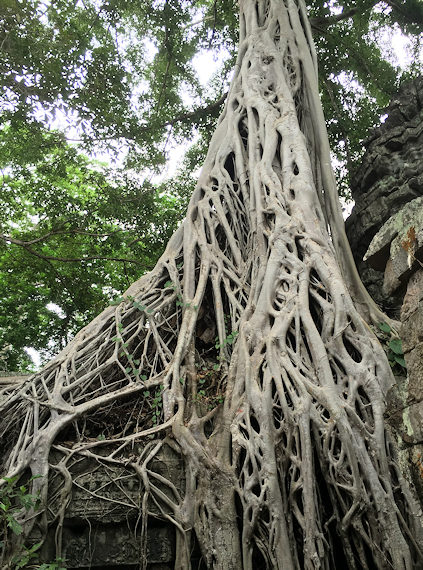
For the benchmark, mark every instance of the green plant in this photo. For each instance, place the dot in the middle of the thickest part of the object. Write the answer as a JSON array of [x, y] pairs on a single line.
[[22, 559], [12, 500], [393, 347], [156, 404], [230, 339]]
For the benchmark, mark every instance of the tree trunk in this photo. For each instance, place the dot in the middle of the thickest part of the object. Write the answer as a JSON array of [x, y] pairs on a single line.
[[243, 350]]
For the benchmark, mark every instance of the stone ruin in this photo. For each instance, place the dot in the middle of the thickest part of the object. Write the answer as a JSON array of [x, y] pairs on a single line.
[[385, 230], [101, 526], [389, 178]]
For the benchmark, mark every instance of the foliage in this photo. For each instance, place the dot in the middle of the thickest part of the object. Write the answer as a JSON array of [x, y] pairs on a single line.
[[393, 348], [121, 74], [14, 499], [56, 565], [73, 233]]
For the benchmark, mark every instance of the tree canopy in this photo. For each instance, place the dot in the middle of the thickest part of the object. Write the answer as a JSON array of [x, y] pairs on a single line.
[[95, 95]]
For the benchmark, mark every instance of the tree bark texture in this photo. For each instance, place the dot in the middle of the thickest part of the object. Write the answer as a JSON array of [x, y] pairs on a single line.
[[242, 351]]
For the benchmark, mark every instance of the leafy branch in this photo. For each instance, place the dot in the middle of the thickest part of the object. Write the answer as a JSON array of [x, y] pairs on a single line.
[[29, 249]]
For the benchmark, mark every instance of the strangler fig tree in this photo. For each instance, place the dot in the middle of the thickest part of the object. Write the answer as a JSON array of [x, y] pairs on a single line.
[[244, 351]]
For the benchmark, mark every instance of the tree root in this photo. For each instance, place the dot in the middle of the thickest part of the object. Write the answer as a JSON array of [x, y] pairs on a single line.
[[242, 351]]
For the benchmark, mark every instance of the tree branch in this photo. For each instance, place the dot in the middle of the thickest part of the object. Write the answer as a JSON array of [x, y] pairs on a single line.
[[178, 119], [25, 246], [55, 233], [320, 24]]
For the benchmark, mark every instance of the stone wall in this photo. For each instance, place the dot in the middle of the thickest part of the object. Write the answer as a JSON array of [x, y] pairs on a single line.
[[390, 175], [385, 230], [101, 527]]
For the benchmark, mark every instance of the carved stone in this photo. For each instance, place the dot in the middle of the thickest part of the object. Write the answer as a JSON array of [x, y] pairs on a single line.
[[389, 176], [102, 528]]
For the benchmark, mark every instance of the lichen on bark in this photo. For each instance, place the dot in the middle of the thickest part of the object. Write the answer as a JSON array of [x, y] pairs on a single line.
[[242, 350]]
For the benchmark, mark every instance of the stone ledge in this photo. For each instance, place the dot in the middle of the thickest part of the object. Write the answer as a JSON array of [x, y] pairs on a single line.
[[398, 245]]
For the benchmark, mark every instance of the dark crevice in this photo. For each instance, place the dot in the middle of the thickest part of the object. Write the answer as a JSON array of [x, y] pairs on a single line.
[[230, 166], [354, 353]]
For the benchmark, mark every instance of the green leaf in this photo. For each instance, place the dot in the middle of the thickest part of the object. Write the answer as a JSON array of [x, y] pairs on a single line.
[[13, 524], [384, 327], [28, 501], [169, 284], [400, 360], [11, 480], [396, 346], [146, 393], [34, 547]]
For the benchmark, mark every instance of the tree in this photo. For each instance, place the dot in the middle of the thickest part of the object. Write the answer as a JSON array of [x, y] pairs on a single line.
[[62, 213], [244, 350]]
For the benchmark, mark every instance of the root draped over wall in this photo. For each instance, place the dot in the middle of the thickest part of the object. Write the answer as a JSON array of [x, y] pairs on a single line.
[[242, 350]]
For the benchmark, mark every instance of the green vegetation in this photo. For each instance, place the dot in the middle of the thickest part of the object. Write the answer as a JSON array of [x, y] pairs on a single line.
[[14, 499], [393, 348]]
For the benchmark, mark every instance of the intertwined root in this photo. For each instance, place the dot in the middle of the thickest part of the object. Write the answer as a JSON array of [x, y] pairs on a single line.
[[242, 352]]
